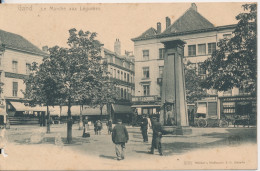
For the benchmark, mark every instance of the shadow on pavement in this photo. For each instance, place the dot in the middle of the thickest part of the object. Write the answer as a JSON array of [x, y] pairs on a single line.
[[107, 157], [232, 137], [143, 152]]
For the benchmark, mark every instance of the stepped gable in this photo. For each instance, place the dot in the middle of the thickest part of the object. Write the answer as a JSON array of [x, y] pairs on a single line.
[[191, 20], [148, 33], [15, 41]]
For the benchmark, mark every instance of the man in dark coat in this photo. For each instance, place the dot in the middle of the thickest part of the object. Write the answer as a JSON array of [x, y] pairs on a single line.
[[144, 127], [157, 136], [119, 138]]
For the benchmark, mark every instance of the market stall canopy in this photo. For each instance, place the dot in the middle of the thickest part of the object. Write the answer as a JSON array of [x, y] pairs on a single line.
[[75, 111], [89, 110], [122, 109], [19, 106]]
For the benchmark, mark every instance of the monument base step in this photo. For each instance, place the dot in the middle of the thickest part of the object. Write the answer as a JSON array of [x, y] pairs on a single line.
[[177, 130]]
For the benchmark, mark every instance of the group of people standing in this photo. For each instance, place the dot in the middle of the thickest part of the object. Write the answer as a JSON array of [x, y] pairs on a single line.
[[120, 136], [157, 132]]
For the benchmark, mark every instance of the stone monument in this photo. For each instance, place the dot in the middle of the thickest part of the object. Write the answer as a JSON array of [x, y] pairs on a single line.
[[174, 114]]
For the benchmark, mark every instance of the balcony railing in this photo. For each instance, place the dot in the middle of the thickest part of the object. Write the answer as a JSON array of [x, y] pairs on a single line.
[[121, 82], [145, 98]]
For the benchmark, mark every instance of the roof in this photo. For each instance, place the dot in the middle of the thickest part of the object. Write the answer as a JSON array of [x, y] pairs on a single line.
[[191, 20], [124, 57], [15, 41], [151, 32]]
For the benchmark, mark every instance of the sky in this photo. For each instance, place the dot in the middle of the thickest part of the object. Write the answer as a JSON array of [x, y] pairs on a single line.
[[48, 24]]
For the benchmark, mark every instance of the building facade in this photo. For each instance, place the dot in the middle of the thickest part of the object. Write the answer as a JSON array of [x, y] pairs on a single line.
[[201, 38], [121, 71], [16, 56]]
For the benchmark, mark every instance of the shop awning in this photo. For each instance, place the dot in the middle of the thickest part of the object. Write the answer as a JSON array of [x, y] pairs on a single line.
[[75, 110], [19, 106], [88, 110], [145, 106], [122, 109]]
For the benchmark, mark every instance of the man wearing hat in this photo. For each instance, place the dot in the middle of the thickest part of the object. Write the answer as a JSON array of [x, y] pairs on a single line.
[[157, 136], [144, 127], [119, 138]]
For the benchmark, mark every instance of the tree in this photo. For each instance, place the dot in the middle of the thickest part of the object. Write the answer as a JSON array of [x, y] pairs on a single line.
[[234, 63], [105, 93], [41, 87], [193, 81], [78, 69]]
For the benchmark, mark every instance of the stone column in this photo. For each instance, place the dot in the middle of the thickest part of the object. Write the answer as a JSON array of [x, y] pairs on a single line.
[[173, 104]]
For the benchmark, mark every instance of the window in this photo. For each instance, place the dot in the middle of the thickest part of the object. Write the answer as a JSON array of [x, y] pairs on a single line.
[[146, 55], [127, 77], [226, 36], [211, 47], [114, 73], [192, 50], [160, 71], [14, 65], [146, 72], [28, 68], [161, 53], [118, 74], [201, 70], [122, 93], [201, 49], [121, 75], [146, 90], [124, 76], [131, 79], [15, 89]]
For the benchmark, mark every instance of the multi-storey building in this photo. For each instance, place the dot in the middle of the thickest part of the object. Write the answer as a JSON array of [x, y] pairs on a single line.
[[16, 56], [201, 37], [121, 71]]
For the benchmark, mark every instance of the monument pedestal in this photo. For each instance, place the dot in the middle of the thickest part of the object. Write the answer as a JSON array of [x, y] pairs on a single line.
[[177, 130], [174, 114]]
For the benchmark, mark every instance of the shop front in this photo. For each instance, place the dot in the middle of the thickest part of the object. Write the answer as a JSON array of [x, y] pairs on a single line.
[[123, 112], [20, 114], [241, 110]]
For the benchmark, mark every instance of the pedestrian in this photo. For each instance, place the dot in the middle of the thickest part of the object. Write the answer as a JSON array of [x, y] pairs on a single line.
[[95, 128], [85, 128], [149, 124], [98, 127], [144, 127], [157, 136], [119, 138], [109, 126]]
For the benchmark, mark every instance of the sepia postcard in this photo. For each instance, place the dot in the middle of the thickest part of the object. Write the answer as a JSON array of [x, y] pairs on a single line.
[[128, 86]]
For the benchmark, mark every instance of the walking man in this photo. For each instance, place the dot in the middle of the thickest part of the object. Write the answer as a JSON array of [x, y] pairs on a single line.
[[119, 138], [109, 126], [144, 127], [157, 136]]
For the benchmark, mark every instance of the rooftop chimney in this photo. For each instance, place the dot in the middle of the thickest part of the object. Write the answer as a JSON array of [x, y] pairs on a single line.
[[159, 28], [117, 47], [194, 6], [168, 22]]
